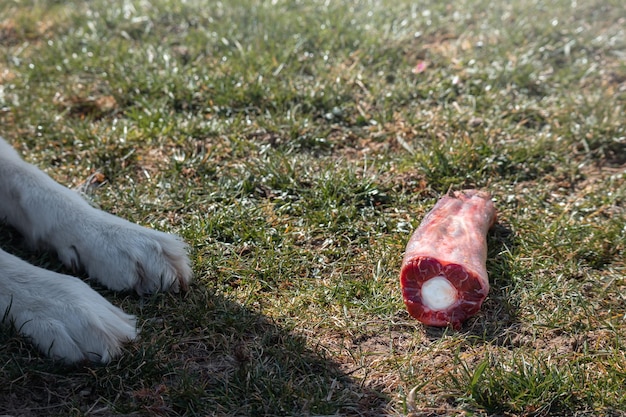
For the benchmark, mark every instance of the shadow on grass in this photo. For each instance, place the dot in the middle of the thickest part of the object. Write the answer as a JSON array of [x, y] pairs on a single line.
[[199, 354], [500, 312]]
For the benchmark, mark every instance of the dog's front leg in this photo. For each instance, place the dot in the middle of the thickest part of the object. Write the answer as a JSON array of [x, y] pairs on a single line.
[[119, 254], [62, 315]]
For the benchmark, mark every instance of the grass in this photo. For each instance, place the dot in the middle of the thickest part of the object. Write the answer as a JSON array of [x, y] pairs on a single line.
[[295, 145]]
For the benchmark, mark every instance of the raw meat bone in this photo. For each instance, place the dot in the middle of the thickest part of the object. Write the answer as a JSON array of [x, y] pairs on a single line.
[[444, 277]]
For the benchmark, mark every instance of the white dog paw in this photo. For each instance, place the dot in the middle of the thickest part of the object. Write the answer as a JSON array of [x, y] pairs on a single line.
[[119, 254], [122, 255], [69, 321]]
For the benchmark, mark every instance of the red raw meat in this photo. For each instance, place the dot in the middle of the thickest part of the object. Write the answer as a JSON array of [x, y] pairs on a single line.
[[444, 277]]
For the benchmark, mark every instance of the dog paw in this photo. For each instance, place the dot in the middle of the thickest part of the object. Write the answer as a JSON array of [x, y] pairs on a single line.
[[69, 321], [122, 255]]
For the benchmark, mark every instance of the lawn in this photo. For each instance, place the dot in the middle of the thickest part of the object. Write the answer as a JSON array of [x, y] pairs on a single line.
[[295, 145]]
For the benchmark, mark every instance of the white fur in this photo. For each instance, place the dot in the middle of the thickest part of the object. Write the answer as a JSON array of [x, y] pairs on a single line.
[[64, 316]]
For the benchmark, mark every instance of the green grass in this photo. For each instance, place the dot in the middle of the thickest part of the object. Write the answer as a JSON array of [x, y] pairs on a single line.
[[294, 147]]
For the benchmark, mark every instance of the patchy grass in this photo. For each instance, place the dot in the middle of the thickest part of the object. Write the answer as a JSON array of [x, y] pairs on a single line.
[[295, 145]]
